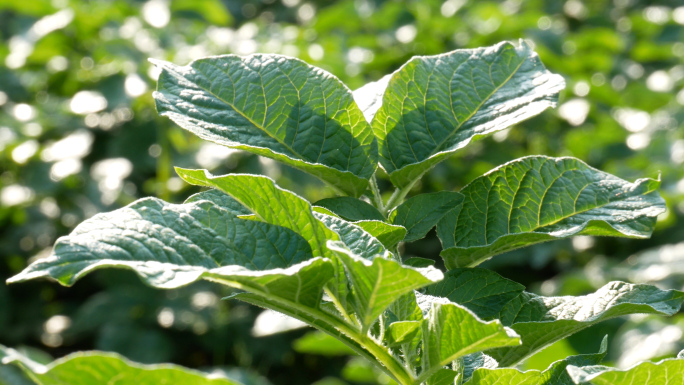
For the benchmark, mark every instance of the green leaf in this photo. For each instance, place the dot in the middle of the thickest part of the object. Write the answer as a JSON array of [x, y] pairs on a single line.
[[480, 290], [541, 321], [321, 344], [388, 235], [422, 212], [274, 106], [222, 200], [270, 203], [665, 372], [450, 332], [555, 374], [378, 283], [402, 332], [351, 209], [436, 105], [94, 368], [170, 245], [274, 205], [537, 199]]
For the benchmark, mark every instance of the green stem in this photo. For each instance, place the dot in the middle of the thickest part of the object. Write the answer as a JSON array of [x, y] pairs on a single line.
[[398, 196], [362, 344], [377, 198], [339, 306]]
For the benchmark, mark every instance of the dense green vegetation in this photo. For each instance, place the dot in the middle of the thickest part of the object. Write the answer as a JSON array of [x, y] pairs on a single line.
[[80, 136]]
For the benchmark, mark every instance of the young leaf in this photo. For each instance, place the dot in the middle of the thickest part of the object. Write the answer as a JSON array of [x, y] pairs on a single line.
[[378, 283], [273, 106], [450, 332], [536, 199], [169, 245], [436, 105], [350, 209], [422, 212], [402, 332], [555, 374], [665, 372], [541, 321], [94, 368], [480, 290]]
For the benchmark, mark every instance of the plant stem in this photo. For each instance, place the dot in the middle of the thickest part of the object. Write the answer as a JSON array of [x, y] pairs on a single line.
[[377, 198], [339, 306], [399, 195]]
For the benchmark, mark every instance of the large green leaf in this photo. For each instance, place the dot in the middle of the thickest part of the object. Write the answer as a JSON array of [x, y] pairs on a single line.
[[555, 374], [541, 321], [273, 106], [422, 212], [480, 290], [96, 368], [536, 199], [665, 372], [170, 245], [435, 105], [451, 331], [378, 283]]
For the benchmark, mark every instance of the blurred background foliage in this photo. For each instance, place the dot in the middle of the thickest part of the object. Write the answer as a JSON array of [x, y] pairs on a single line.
[[79, 135]]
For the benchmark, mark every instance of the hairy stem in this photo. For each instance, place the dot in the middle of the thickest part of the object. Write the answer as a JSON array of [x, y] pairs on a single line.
[[377, 198], [398, 196]]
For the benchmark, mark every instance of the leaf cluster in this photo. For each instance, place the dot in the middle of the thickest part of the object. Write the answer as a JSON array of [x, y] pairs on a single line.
[[336, 264]]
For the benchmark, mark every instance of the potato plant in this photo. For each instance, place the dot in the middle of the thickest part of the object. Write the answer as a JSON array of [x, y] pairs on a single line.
[[336, 264]]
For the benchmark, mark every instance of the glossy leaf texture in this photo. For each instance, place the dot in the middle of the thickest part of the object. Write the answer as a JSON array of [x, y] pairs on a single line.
[[95, 368], [436, 105], [665, 372], [537, 199], [555, 374], [379, 282], [170, 245], [421, 213], [274, 106]]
